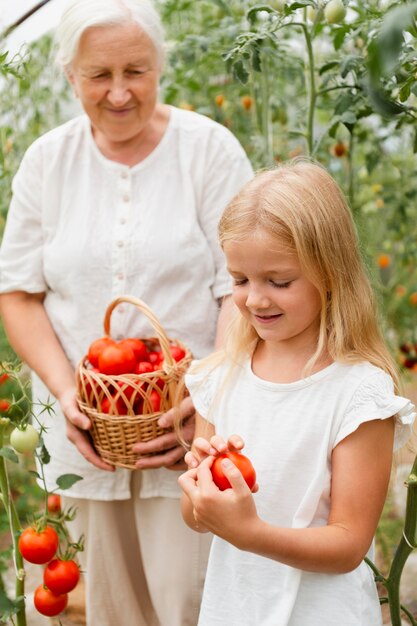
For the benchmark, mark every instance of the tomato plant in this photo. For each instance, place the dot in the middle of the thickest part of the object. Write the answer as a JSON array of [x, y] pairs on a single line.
[[38, 546], [48, 603], [243, 464], [24, 439], [61, 576]]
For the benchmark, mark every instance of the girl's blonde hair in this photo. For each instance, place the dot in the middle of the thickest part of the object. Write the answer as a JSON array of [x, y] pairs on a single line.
[[300, 205]]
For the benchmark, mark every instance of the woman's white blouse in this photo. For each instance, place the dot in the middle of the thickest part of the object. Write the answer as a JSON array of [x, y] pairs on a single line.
[[84, 230]]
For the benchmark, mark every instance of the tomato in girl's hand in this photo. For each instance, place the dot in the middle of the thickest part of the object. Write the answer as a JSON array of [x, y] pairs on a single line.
[[61, 576], [242, 463], [96, 348], [38, 547], [48, 603]]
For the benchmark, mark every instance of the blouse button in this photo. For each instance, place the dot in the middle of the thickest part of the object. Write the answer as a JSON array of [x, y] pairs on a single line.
[[120, 276], [126, 198], [124, 174], [120, 244], [123, 220]]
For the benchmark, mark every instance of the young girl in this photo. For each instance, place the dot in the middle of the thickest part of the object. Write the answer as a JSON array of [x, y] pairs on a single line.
[[308, 383]]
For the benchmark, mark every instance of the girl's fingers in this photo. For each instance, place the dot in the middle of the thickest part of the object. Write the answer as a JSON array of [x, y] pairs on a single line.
[[235, 442], [191, 460], [202, 446], [219, 444], [188, 482]]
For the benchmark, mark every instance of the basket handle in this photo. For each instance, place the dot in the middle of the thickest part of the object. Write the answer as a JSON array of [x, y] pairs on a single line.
[[162, 336]]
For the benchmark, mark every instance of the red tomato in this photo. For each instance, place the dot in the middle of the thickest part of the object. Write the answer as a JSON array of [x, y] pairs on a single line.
[[156, 356], [3, 378], [177, 353], [61, 576], [242, 463], [143, 367], [113, 408], [116, 359], [48, 603], [4, 406], [139, 348], [96, 348], [38, 547], [155, 401], [54, 503]]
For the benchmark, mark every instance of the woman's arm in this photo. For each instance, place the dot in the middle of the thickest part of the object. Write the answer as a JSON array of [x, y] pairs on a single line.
[[171, 451], [361, 466], [30, 333]]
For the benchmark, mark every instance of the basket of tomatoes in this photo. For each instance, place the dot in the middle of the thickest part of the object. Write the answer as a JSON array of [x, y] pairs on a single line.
[[125, 386]]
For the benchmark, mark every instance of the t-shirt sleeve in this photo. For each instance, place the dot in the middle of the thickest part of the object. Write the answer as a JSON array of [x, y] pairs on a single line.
[[375, 399], [21, 253], [200, 385], [226, 171]]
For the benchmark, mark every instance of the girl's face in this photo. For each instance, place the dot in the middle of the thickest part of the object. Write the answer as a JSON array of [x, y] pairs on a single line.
[[115, 74], [272, 292]]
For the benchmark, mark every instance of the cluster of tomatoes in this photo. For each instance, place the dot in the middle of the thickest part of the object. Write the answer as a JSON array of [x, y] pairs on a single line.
[[60, 576], [409, 356], [129, 356]]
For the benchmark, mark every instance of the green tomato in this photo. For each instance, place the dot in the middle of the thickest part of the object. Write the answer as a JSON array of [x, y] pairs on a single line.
[[311, 13], [335, 11], [24, 440], [278, 5]]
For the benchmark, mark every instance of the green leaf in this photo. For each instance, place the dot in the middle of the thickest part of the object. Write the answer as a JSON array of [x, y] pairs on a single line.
[[65, 481], [9, 454], [44, 455], [328, 66], [240, 72]]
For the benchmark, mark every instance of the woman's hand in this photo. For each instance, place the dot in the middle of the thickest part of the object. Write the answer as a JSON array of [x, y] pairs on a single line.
[[166, 450], [78, 425], [230, 514]]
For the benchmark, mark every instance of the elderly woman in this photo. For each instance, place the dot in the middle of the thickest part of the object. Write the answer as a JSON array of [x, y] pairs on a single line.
[[123, 199]]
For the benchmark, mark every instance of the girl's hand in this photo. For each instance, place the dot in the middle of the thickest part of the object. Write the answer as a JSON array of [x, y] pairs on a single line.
[[78, 425], [214, 447], [230, 514]]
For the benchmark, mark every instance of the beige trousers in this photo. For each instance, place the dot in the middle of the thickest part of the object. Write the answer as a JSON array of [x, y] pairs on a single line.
[[142, 565]]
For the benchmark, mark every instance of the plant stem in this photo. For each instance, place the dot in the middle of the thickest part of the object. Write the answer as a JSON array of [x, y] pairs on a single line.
[[266, 122], [15, 528], [404, 549], [351, 180], [312, 89]]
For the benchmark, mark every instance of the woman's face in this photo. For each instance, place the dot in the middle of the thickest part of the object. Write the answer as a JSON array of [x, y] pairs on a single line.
[[115, 74]]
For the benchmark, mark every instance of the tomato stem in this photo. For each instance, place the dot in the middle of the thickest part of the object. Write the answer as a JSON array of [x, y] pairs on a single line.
[[15, 528]]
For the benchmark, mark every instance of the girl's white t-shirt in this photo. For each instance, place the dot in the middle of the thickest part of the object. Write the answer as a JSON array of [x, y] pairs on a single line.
[[290, 431], [85, 230]]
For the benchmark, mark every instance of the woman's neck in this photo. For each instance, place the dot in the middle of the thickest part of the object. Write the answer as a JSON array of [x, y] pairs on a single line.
[[136, 149]]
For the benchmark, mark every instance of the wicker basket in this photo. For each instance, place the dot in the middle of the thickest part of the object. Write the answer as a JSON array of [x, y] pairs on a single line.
[[134, 401]]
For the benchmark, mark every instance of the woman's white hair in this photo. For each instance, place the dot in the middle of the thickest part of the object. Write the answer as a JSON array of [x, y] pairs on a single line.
[[78, 15]]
